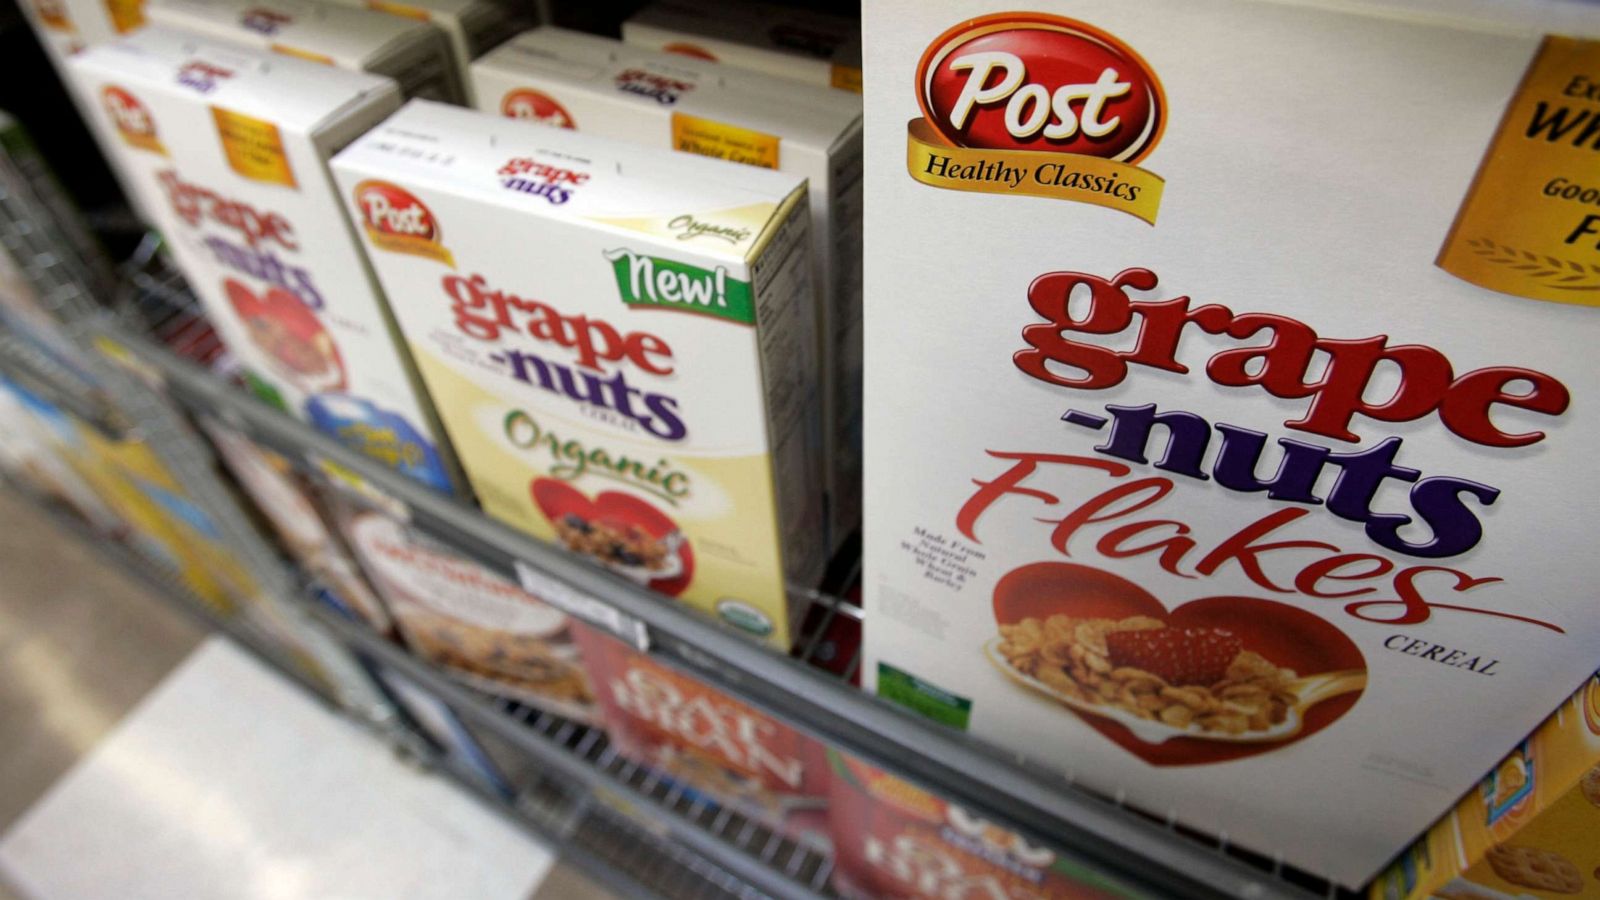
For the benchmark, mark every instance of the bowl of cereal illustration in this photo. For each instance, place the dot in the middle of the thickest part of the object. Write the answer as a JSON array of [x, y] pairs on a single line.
[[627, 534], [1215, 678], [281, 326]]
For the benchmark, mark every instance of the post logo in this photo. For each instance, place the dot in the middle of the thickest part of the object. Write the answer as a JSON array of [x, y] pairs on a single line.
[[694, 51], [526, 103], [53, 15], [1038, 105], [133, 120], [265, 21], [396, 221]]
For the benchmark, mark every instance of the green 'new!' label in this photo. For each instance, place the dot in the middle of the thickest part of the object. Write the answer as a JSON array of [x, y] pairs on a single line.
[[669, 284]]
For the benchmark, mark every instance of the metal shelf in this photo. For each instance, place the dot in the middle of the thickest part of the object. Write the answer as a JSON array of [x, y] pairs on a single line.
[[605, 844], [579, 755], [1147, 854]]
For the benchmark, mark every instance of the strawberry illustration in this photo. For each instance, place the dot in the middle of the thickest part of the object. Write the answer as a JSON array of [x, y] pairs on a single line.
[[1179, 656]]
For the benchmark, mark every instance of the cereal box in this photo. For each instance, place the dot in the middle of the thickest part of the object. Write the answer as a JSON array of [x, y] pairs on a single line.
[[230, 148], [1228, 388], [290, 504], [487, 632], [895, 841], [33, 457], [799, 44], [604, 87], [706, 740], [412, 52], [474, 27], [621, 342], [66, 27], [1531, 827]]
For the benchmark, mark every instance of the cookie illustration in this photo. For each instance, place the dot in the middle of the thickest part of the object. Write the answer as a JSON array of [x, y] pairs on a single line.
[[1590, 785], [1531, 867]]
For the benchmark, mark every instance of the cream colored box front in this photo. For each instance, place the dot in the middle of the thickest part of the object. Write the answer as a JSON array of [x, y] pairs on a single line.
[[603, 87], [415, 54], [474, 27], [620, 341], [66, 27], [228, 148], [799, 44], [1232, 397]]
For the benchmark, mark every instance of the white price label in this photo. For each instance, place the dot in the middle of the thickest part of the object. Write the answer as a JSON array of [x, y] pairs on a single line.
[[576, 603]]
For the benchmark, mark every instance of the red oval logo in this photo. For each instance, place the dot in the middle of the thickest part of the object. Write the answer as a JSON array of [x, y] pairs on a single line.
[[129, 115], [1029, 81], [525, 103], [389, 209], [694, 50]]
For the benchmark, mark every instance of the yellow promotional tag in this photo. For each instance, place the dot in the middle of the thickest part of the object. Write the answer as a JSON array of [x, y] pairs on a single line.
[[306, 55], [126, 15], [398, 9], [1530, 224], [53, 15], [846, 78], [253, 147], [720, 140]]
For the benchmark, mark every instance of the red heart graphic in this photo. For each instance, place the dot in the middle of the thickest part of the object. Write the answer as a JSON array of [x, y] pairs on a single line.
[[283, 326], [614, 509], [1286, 635]]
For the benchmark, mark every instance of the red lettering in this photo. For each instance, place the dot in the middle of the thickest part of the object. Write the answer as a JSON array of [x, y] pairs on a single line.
[[1243, 549], [1465, 410], [1011, 480], [1281, 365], [1173, 549], [1104, 508], [595, 340], [1306, 582]]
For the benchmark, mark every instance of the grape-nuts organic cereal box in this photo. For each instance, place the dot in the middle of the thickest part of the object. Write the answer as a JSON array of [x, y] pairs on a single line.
[[413, 52], [473, 27], [621, 342], [799, 44], [604, 87], [229, 148], [1230, 371]]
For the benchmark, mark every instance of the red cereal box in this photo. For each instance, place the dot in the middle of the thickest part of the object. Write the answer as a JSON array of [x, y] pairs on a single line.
[[894, 840], [705, 739]]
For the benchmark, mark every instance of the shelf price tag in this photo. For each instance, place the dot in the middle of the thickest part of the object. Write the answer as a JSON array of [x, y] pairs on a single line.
[[580, 605]]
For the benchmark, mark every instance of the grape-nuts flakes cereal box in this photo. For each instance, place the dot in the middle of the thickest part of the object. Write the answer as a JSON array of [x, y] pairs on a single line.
[[642, 398], [229, 149], [1234, 455], [413, 52]]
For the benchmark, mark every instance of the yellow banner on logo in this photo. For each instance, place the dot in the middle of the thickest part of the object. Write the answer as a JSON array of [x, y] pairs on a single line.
[[410, 244], [1032, 173], [143, 141], [126, 15], [1530, 224], [253, 147], [720, 140]]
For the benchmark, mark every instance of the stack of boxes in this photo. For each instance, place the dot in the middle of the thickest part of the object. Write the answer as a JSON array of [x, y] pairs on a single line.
[[654, 359], [229, 149]]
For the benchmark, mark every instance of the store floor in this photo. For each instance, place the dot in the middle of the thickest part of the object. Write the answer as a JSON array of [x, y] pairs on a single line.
[[144, 758]]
